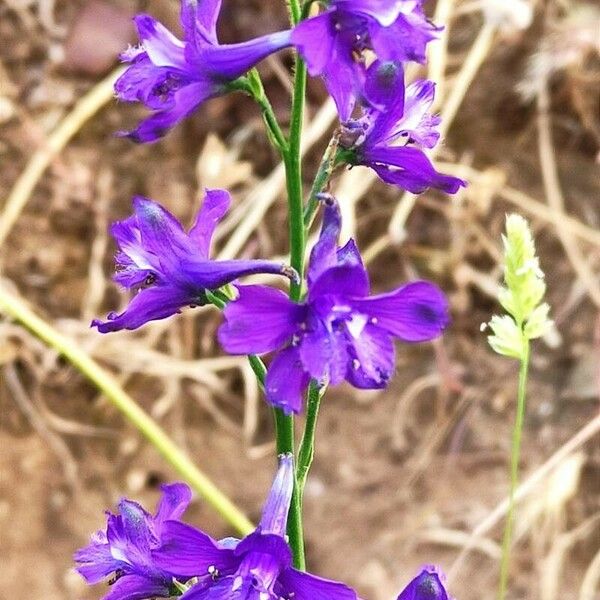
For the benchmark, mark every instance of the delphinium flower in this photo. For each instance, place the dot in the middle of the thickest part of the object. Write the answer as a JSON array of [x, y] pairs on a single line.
[[339, 331], [173, 77], [427, 585], [394, 130], [170, 268], [124, 549], [255, 568], [333, 43]]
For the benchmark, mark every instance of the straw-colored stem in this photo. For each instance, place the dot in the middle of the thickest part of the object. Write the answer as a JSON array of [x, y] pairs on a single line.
[[16, 309]]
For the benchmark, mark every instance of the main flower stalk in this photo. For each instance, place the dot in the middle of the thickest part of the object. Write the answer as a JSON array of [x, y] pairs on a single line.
[[284, 424]]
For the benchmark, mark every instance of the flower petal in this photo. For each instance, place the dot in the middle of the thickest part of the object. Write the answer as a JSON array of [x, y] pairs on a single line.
[[303, 586], [261, 320], [227, 62], [200, 16], [275, 511], [404, 40], [341, 281], [150, 304], [412, 170], [417, 124], [214, 207], [323, 255], [183, 103], [95, 562], [173, 503], [384, 90], [162, 235], [136, 526], [228, 588], [134, 264], [384, 12], [213, 274], [266, 544], [344, 78], [144, 82], [162, 47], [316, 351], [137, 587], [427, 585], [315, 39], [373, 358], [189, 552], [415, 312], [286, 381]]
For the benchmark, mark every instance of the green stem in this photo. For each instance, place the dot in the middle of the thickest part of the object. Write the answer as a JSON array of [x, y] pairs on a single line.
[[284, 424], [293, 168], [284, 431], [17, 309], [307, 445], [328, 163], [514, 468], [252, 85], [258, 366], [295, 10]]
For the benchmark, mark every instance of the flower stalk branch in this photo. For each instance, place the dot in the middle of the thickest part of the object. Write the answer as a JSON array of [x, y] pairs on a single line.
[[306, 451], [326, 167]]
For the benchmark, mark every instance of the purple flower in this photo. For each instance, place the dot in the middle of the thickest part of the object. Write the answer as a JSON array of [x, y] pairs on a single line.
[[124, 549], [255, 568], [339, 332], [394, 129], [333, 43], [171, 268], [427, 585], [172, 78]]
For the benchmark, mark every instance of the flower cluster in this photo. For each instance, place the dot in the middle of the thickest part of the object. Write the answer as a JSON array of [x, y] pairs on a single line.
[[173, 77], [333, 330], [160, 556]]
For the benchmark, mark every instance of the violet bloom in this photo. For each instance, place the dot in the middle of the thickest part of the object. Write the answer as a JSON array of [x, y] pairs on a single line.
[[339, 332], [171, 268], [172, 78], [332, 43], [124, 549], [255, 568], [394, 130], [427, 585]]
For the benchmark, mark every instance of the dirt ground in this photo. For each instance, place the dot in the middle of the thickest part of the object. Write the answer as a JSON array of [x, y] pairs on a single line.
[[401, 477]]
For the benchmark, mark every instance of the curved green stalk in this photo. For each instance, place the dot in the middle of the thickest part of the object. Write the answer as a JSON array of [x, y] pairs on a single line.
[[252, 85], [306, 451], [326, 167], [17, 310], [514, 468]]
